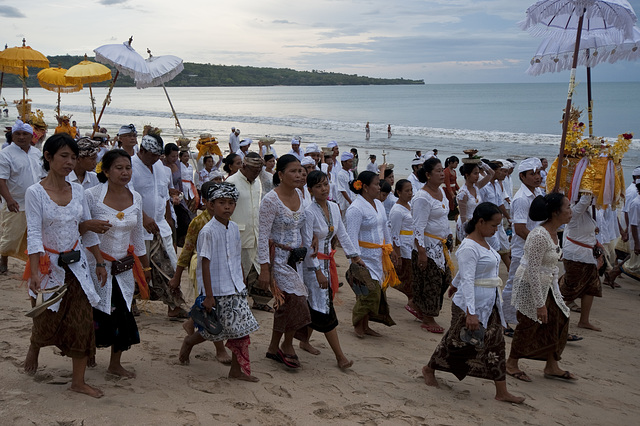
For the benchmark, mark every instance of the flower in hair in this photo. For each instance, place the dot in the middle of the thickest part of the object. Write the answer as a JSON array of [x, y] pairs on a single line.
[[357, 185]]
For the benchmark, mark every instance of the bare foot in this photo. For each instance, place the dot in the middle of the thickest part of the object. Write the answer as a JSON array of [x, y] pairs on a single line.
[[307, 347], [589, 326], [189, 327], [185, 351], [429, 377], [359, 331], [31, 362], [87, 390], [370, 332], [345, 364], [507, 397], [244, 377], [223, 358], [120, 371], [91, 362]]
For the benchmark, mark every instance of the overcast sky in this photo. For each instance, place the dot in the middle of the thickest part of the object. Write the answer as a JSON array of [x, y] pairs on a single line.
[[440, 41]]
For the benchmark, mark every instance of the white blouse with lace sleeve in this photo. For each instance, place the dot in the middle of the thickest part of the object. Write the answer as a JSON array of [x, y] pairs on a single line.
[[537, 274], [400, 219], [430, 217]]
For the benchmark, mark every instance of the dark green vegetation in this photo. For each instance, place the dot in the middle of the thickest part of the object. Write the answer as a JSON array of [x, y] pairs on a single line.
[[225, 75]]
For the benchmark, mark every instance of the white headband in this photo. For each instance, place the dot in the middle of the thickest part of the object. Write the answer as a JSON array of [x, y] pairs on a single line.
[[19, 126]]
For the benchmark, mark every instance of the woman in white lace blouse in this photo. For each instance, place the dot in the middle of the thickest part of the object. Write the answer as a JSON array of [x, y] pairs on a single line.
[[543, 317], [476, 308], [469, 195], [282, 232], [113, 202], [57, 215]]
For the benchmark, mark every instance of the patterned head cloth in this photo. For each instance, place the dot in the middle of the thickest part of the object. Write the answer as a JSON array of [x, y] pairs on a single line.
[[88, 147], [151, 144], [126, 129], [222, 190], [19, 126], [253, 160]]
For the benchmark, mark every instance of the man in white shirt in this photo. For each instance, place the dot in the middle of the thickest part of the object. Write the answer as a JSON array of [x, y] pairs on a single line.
[[83, 173], [345, 175], [245, 144], [296, 149], [313, 151], [152, 182], [416, 185], [246, 216], [529, 173], [543, 174], [20, 167], [630, 194], [234, 140]]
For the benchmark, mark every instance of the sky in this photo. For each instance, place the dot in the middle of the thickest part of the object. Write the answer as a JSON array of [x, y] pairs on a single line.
[[439, 41]]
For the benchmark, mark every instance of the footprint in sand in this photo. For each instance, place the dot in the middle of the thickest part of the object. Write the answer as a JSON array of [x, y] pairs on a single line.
[[277, 390]]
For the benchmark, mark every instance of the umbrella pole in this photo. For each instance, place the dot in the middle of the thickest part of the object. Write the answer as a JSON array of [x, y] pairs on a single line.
[[106, 101], [173, 110], [93, 105], [567, 110], [58, 109], [24, 94], [589, 102], [1, 81]]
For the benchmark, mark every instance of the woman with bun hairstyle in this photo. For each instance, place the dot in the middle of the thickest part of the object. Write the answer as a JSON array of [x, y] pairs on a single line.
[[469, 195], [476, 311], [111, 201], [283, 231], [366, 222], [543, 317], [232, 163], [431, 261], [401, 226]]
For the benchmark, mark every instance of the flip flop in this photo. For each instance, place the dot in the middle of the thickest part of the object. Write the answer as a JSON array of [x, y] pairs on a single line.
[[413, 312], [574, 338], [436, 329], [509, 332], [520, 375], [276, 357], [262, 307], [290, 361], [573, 306], [57, 293], [566, 376]]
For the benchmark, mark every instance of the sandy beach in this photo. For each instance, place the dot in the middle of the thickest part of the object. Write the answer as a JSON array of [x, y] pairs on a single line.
[[384, 387]]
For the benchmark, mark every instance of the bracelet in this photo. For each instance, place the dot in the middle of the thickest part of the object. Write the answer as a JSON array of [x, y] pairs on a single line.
[[146, 269], [101, 265]]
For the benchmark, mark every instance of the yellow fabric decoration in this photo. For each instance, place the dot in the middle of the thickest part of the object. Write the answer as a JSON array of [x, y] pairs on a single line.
[[447, 256], [403, 232], [390, 275], [208, 146]]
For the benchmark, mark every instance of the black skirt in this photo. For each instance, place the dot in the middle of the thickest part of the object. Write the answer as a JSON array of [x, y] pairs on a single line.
[[118, 329]]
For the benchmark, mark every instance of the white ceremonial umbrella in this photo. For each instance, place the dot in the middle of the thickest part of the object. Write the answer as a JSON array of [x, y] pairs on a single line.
[[163, 69], [556, 54], [126, 61], [564, 19]]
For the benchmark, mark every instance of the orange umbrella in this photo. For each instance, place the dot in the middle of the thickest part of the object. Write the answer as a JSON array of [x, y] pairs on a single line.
[[87, 72], [54, 80], [23, 56]]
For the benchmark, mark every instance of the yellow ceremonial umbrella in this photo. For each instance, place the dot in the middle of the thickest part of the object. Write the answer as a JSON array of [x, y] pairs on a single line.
[[54, 80], [11, 69], [23, 56], [87, 72]]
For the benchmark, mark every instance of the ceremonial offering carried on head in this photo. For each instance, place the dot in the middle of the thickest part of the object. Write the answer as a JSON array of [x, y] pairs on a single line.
[[183, 143], [591, 165], [267, 141], [208, 145], [472, 158]]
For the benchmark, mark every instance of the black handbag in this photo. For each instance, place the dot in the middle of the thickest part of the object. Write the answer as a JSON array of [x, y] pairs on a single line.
[[124, 264], [296, 256], [68, 257]]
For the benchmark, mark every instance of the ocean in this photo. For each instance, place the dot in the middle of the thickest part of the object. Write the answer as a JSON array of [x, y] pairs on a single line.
[[500, 120]]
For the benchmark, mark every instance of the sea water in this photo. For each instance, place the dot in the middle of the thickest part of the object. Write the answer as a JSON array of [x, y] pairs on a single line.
[[500, 120]]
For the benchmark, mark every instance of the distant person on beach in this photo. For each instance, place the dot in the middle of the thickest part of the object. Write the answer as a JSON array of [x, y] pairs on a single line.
[[221, 286], [244, 144], [434, 154], [389, 131], [367, 131], [20, 167], [451, 187], [543, 174], [418, 154], [75, 126], [234, 140], [493, 193], [296, 149], [356, 160], [373, 166], [474, 344]]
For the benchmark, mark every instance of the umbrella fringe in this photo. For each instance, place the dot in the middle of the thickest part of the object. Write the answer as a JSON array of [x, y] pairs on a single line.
[[161, 80]]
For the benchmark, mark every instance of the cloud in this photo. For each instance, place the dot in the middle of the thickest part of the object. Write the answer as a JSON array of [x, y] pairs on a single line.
[[283, 21], [111, 2], [11, 12]]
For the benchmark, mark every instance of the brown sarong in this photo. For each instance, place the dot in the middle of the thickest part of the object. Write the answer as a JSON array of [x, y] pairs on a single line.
[[370, 299], [71, 328], [161, 272], [533, 340], [404, 274], [429, 285], [292, 314], [461, 359], [579, 279]]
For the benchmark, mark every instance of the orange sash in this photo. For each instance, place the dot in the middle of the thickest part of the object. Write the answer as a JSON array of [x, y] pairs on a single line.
[[138, 272], [196, 196], [45, 262], [333, 269], [390, 276]]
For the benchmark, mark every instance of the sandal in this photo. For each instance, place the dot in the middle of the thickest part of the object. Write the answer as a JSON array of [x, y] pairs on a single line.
[[573, 306], [432, 328], [262, 307], [520, 375], [276, 357], [290, 361], [41, 305], [574, 338], [564, 376], [509, 332], [413, 312]]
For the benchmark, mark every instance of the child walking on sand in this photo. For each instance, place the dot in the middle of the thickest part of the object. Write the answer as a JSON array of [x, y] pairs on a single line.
[[220, 284]]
